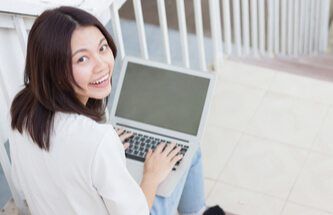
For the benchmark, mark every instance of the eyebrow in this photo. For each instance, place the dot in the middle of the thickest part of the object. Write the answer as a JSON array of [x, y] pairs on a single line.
[[81, 50]]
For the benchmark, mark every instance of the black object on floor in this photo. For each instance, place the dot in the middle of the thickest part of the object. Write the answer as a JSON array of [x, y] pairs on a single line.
[[215, 210]]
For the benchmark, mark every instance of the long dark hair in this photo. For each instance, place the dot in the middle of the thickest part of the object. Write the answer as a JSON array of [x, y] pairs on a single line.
[[48, 76]]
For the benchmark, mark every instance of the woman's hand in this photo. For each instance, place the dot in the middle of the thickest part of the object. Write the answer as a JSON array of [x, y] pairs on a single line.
[[158, 164], [124, 136]]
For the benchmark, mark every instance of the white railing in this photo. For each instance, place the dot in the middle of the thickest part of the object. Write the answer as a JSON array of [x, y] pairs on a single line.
[[288, 28]]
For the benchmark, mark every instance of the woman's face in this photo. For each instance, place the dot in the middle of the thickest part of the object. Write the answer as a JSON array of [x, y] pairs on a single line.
[[92, 63]]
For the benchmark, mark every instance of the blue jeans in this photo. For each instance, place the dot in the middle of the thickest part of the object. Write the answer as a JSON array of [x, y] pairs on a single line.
[[188, 196]]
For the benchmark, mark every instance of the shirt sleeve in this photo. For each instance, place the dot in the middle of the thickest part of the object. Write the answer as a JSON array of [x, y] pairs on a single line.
[[121, 194]]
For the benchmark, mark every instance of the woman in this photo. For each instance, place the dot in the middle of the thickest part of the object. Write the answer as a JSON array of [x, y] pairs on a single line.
[[65, 160]]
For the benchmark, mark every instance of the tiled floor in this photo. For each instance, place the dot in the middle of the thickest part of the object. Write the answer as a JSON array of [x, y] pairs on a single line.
[[268, 145]]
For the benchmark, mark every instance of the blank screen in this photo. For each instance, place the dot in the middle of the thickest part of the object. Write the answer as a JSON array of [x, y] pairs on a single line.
[[163, 98]]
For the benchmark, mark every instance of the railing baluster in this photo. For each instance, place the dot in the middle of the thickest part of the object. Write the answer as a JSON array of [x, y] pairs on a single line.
[[290, 27], [183, 32], [262, 32], [312, 23], [199, 32], [164, 29], [284, 13], [237, 26], [21, 32], [317, 27], [254, 27], [141, 28], [325, 10], [307, 26], [227, 26], [277, 26], [301, 27], [214, 11], [115, 21], [270, 32], [296, 26], [245, 25]]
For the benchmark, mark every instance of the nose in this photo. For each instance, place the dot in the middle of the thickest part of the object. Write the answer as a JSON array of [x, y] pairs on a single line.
[[100, 63]]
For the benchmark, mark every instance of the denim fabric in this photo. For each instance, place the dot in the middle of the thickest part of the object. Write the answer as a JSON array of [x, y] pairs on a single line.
[[188, 196]]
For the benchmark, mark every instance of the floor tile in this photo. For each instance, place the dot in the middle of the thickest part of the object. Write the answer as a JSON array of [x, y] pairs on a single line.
[[303, 87], [209, 185], [246, 74], [294, 209], [217, 145], [323, 142], [264, 166], [314, 186], [234, 104], [287, 119], [244, 202]]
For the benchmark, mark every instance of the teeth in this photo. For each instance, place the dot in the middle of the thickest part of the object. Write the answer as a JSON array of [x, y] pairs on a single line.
[[105, 77]]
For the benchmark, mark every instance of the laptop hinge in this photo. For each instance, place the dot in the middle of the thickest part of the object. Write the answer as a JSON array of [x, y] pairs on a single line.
[[122, 125]]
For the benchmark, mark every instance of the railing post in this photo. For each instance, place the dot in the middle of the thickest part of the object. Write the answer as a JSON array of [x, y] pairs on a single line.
[[227, 26], [245, 25], [254, 27], [115, 21], [214, 11], [21, 32], [307, 26], [237, 26], [325, 8], [262, 32], [141, 28], [277, 26], [164, 29], [290, 27], [199, 32], [312, 25], [296, 26], [317, 26], [183, 32], [270, 26], [301, 28], [284, 13]]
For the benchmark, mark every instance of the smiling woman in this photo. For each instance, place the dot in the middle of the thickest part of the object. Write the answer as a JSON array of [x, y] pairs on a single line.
[[54, 72], [65, 160]]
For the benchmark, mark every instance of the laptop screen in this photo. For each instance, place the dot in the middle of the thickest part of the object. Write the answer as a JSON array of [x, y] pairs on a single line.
[[163, 98]]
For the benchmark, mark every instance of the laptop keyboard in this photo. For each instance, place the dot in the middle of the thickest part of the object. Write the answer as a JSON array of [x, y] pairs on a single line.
[[139, 145]]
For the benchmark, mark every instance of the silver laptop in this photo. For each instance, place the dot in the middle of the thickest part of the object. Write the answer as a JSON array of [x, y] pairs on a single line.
[[161, 103]]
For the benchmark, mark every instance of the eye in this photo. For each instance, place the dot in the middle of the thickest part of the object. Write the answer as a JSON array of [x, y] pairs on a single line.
[[82, 59], [104, 47]]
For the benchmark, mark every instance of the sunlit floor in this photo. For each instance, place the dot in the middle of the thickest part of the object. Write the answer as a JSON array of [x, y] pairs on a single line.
[[268, 147]]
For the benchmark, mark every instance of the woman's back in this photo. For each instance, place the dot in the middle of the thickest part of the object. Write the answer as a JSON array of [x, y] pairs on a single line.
[[85, 162]]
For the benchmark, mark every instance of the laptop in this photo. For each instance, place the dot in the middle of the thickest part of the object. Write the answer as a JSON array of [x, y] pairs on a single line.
[[161, 103]]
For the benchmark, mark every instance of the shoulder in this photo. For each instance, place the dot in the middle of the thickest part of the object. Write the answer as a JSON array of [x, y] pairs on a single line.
[[82, 129], [79, 124]]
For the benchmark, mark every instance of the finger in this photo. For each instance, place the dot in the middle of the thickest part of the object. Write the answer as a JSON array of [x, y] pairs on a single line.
[[149, 153], [176, 159], [160, 147], [125, 136], [169, 148], [120, 131], [174, 152], [126, 145]]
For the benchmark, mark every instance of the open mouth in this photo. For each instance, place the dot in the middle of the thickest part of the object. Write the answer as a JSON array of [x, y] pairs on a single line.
[[102, 82]]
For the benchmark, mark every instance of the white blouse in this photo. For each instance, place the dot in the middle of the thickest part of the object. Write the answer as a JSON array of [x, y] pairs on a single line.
[[83, 173]]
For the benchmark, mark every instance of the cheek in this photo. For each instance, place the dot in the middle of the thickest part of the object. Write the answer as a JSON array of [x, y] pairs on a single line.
[[81, 76]]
